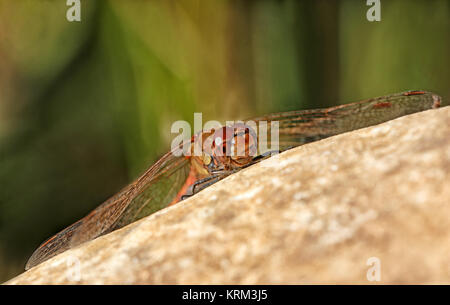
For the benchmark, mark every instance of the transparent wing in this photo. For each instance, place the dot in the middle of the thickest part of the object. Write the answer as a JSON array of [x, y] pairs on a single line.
[[156, 195], [304, 126], [152, 191]]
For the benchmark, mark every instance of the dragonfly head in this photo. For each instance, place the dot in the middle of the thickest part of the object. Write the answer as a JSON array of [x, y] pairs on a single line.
[[228, 147]]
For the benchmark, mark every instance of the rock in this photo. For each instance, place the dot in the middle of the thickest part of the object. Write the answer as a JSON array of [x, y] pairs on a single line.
[[328, 212]]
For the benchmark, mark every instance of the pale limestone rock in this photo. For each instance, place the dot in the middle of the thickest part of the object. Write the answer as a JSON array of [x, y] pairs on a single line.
[[314, 214]]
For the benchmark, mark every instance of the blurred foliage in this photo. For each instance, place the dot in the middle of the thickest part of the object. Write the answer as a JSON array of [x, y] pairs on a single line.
[[86, 106]]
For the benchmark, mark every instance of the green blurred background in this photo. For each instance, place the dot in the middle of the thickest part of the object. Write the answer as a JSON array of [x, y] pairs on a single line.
[[86, 106]]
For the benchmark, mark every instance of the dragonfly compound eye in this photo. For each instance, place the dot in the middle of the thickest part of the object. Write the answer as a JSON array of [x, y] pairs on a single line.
[[244, 142], [243, 145]]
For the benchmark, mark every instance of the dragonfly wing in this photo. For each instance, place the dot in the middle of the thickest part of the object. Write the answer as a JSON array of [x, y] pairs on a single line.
[[304, 126], [155, 195], [52, 246], [152, 191]]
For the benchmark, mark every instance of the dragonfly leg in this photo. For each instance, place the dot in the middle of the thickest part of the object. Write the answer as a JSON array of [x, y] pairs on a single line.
[[199, 187], [263, 156], [201, 184]]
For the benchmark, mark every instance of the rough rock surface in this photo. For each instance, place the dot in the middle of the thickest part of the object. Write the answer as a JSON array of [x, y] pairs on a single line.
[[314, 214]]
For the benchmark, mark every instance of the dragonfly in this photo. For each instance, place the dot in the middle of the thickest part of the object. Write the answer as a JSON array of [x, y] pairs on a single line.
[[176, 176]]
